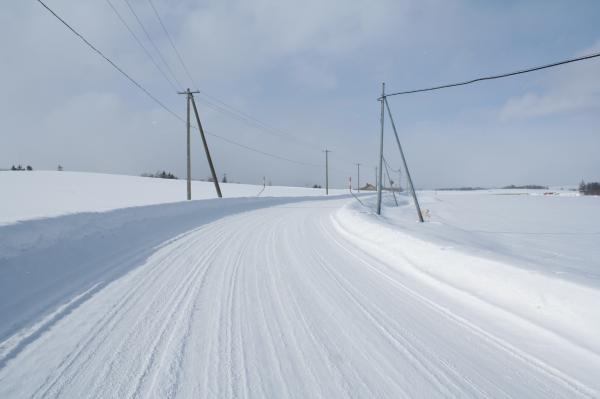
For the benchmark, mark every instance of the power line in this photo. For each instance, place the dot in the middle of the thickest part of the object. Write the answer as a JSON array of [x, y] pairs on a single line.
[[156, 100], [256, 123], [262, 152], [261, 127], [139, 42], [221, 106], [160, 55], [504, 75], [185, 68], [101, 54]]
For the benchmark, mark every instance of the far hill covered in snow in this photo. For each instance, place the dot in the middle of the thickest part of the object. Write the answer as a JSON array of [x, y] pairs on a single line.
[[39, 194]]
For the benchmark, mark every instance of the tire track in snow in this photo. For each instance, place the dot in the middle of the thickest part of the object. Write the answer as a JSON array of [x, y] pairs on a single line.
[[168, 329], [119, 311], [277, 235], [173, 305], [417, 350], [572, 384], [402, 345], [99, 326], [272, 303]]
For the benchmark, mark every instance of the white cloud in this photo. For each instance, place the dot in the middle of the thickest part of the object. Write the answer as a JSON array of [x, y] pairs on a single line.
[[312, 68], [236, 39], [572, 87]]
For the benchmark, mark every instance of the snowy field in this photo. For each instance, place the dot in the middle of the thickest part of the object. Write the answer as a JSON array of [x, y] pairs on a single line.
[[556, 234], [38, 194], [111, 286]]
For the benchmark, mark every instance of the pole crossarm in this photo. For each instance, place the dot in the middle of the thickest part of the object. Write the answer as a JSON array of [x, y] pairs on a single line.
[[492, 77]]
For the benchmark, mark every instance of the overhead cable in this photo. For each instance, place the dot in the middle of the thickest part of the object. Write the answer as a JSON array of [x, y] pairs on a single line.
[[503, 75], [139, 42], [155, 99]]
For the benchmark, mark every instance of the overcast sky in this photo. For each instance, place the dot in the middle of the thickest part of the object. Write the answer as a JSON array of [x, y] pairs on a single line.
[[312, 69]]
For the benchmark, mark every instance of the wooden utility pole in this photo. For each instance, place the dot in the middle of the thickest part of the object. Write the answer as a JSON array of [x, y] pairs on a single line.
[[189, 154], [375, 177], [358, 177], [387, 172], [327, 171], [380, 174], [208, 157]]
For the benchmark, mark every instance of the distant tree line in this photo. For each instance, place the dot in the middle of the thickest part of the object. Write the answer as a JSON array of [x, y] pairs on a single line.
[[589, 188], [461, 189], [223, 180], [160, 175], [527, 187], [21, 168], [511, 187]]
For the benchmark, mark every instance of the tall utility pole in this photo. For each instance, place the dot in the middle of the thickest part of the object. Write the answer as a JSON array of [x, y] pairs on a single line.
[[380, 175], [188, 95], [327, 171], [358, 177], [190, 100]]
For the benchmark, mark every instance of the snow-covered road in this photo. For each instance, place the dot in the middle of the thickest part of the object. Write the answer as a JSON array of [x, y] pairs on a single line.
[[275, 302]]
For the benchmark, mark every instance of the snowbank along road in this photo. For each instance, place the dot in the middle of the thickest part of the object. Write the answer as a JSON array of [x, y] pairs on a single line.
[[271, 299]]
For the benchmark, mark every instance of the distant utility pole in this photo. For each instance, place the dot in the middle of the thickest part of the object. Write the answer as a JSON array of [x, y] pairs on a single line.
[[358, 177], [380, 175], [387, 172], [327, 171], [376, 178]]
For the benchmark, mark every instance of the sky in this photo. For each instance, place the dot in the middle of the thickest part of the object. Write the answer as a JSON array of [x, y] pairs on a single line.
[[310, 73]]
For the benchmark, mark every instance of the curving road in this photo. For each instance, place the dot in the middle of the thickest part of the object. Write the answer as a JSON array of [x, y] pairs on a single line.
[[272, 303]]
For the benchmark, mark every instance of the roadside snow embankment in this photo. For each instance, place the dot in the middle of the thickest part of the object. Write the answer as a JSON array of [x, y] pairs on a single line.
[[560, 306]]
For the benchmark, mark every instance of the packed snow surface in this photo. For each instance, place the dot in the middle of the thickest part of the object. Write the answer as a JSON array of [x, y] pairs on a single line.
[[297, 296]]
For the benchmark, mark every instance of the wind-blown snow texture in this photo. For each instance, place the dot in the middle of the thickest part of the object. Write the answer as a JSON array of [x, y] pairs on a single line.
[[286, 297]]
